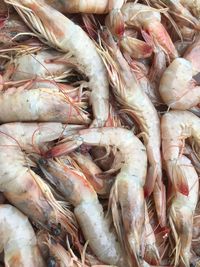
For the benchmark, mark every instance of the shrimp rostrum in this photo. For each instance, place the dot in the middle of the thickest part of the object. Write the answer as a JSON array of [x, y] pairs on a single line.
[[18, 239], [60, 32], [129, 182]]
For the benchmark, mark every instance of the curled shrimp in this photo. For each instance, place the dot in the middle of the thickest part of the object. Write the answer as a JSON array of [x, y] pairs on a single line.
[[18, 240], [129, 182], [192, 54], [148, 19], [60, 32], [177, 87], [88, 211], [181, 212], [21, 185], [130, 94], [42, 104], [176, 127]]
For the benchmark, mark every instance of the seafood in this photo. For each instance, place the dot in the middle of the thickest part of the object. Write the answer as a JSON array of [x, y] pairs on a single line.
[[129, 181], [18, 239], [181, 212], [149, 19], [193, 6], [42, 104], [88, 211], [176, 127], [177, 87], [138, 105], [63, 34], [20, 185]]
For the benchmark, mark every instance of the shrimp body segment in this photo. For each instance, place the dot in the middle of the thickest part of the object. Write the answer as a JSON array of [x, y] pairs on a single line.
[[147, 18], [129, 182], [176, 126], [18, 239], [42, 104], [85, 6], [177, 87], [88, 211], [63, 34], [181, 213]]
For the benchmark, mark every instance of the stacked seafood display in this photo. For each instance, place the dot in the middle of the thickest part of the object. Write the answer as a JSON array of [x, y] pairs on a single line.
[[99, 133]]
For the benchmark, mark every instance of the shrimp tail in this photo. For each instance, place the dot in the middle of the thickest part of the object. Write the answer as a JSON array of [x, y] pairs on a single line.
[[115, 23], [178, 178]]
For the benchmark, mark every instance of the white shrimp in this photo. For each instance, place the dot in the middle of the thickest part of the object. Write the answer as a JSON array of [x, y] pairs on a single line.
[[61, 33], [18, 240], [129, 221], [21, 186], [88, 211]]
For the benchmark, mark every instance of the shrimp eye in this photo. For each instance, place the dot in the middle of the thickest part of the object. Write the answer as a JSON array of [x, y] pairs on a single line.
[[42, 161], [51, 262]]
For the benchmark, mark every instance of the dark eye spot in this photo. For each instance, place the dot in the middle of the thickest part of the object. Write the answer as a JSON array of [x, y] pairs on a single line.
[[42, 161], [51, 262]]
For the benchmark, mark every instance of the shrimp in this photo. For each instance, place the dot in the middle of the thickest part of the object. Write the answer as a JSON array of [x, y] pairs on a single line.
[[40, 64], [42, 104], [193, 6], [129, 181], [176, 127], [129, 93], [18, 239], [181, 212], [61, 33], [148, 19], [91, 171], [196, 231], [88, 211], [85, 6], [177, 87], [24, 188]]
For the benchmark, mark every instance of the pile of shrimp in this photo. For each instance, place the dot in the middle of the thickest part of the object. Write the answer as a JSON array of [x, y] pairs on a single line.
[[100, 115]]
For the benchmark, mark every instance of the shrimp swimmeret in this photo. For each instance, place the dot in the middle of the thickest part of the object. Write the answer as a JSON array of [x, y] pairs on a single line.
[[18, 239], [129, 181], [60, 32]]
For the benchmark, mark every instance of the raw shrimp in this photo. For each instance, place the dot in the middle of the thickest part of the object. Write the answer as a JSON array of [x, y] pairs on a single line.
[[181, 212], [21, 186], [91, 171], [129, 182], [149, 19], [85, 6], [137, 104], [177, 87], [42, 104], [88, 211], [193, 6], [176, 126], [62, 33], [40, 64], [18, 239]]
